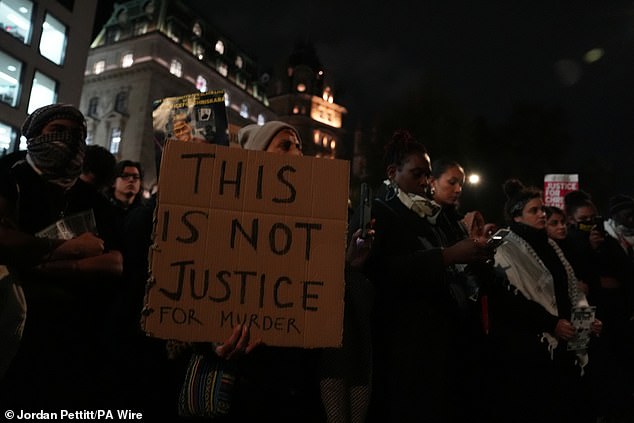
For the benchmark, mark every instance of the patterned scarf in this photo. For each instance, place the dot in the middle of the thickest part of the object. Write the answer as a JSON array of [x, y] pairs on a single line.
[[58, 156], [422, 206], [621, 233], [528, 274]]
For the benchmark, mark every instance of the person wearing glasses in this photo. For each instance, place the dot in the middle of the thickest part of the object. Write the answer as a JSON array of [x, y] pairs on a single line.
[[138, 364], [127, 184]]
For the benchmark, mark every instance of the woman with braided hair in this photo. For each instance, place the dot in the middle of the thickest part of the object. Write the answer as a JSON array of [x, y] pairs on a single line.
[[414, 322]]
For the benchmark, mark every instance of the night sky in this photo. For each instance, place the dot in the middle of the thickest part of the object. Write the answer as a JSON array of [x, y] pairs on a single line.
[[483, 57]]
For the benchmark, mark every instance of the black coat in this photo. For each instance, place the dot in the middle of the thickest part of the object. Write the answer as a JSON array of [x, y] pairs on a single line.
[[413, 317]]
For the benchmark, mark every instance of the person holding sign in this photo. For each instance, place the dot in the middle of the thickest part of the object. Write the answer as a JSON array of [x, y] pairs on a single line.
[[271, 383], [273, 137], [414, 312], [540, 320], [344, 372]]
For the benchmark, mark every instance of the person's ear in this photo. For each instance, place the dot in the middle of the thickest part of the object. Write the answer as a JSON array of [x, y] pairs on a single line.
[[391, 172]]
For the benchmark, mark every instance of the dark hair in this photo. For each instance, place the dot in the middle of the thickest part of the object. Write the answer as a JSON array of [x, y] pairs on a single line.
[[118, 169], [101, 163], [517, 195], [574, 200], [619, 203], [400, 147], [550, 210], [440, 166]]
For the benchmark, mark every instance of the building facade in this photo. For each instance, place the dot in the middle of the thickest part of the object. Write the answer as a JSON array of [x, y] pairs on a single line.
[[302, 96], [43, 50], [152, 49]]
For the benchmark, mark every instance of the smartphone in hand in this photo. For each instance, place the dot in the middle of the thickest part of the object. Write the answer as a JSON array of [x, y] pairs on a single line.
[[497, 238]]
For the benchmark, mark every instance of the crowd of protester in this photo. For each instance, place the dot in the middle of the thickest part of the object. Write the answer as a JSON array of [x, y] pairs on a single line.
[[440, 324]]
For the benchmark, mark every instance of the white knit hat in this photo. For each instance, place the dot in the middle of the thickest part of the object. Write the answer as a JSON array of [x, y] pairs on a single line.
[[258, 137]]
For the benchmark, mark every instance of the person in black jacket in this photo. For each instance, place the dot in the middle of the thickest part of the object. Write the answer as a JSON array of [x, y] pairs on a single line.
[[57, 239], [414, 315], [544, 368]]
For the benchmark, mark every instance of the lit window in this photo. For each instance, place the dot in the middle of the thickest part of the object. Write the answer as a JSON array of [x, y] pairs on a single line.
[[244, 111], [333, 144], [7, 137], [261, 119], [201, 84], [316, 137], [220, 47], [99, 67], [89, 138], [227, 102], [301, 88], [53, 40], [176, 68], [197, 30], [43, 92], [15, 18], [327, 95], [127, 60], [140, 28], [115, 140], [93, 106], [172, 32], [239, 62], [199, 51], [10, 70], [113, 35], [295, 110], [223, 69], [324, 141]]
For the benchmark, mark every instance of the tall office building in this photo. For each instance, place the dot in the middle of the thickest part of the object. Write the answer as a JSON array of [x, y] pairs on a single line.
[[43, 50]]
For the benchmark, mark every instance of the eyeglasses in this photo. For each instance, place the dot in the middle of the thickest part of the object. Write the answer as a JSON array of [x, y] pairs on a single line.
[[134, 176]]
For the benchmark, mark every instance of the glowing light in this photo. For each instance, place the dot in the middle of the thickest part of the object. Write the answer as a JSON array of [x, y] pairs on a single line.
[[593, 55], [474, 179]]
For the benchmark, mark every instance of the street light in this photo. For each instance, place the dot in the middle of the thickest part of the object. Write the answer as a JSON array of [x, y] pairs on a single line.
[[473, 179]]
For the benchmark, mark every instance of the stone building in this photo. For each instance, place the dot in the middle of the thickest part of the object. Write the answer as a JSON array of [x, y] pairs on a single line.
[[152, 49]]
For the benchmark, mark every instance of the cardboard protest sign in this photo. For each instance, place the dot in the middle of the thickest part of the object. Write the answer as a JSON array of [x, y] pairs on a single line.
[[248, 236], [556, 186]]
